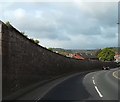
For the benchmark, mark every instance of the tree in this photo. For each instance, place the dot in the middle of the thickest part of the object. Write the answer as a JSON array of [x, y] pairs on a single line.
[[8, 24], [106, 54], [51, 49], [23, 33], [35, 41]]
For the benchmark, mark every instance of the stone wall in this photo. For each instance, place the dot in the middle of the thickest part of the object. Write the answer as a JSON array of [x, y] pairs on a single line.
[[25, 63], [0, 62]]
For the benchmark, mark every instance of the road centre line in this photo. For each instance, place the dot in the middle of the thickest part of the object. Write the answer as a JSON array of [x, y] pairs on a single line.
[[93, 81], [98, 91], [97, 88]]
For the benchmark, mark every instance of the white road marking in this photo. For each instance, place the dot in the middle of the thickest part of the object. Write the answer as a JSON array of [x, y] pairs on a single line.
[[97, 88], [98, 91], [115, 74], [93, 81], [37, 99]]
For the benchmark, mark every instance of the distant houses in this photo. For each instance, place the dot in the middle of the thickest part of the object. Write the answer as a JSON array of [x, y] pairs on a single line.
[[87, 56], [117, 57], [93, 57], [83, 56], [78, 56]]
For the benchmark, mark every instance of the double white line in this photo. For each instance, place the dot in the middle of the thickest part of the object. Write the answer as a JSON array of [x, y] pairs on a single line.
[[97, 88]]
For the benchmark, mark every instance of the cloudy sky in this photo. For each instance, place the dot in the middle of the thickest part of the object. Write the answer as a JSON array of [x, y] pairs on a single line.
[[69, 25]]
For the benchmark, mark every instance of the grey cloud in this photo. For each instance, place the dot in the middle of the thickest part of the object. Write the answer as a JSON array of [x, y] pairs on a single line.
[[64, 22], [109, 32], [105, 12]]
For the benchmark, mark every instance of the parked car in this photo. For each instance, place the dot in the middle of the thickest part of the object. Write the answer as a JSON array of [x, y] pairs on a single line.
[[105, 68]]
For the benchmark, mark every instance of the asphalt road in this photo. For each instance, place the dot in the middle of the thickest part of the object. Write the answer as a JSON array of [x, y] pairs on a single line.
[[102, 85], [98, 85]]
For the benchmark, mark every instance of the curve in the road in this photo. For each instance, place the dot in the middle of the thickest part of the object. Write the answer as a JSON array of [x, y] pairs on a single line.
[[71, 89], [102, 85]]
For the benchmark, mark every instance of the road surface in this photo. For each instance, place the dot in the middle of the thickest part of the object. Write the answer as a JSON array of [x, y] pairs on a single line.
[[98, 85]]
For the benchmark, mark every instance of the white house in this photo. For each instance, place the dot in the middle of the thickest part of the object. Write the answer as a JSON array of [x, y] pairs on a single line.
[[117, 58]]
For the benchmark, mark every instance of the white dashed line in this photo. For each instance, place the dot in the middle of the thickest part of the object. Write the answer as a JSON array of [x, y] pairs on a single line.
[[93, 81], [97, 88], [98, 91]]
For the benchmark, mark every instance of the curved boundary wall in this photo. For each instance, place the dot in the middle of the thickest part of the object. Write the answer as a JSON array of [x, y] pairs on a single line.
[[25, 63]]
